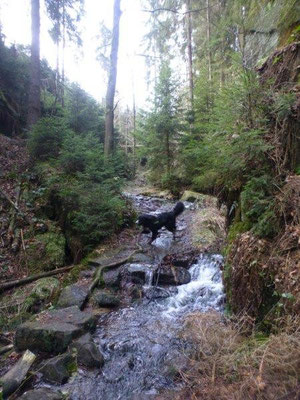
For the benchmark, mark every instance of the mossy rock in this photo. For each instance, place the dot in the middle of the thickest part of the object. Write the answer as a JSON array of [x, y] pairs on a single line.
[[44, 291], [191, 196], [46, 251]]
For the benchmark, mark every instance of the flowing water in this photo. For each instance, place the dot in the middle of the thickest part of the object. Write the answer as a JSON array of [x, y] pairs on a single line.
[[141, 343]]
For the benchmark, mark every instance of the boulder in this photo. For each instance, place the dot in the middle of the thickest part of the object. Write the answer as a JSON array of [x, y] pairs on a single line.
[[15, 376], [73, 295], [112, 278], [155, 292], [140, 273], [42, 394], [190, 196], [59, 369], [168, 275], [53, 331], [104, 299], [88, 353], [42, 293]]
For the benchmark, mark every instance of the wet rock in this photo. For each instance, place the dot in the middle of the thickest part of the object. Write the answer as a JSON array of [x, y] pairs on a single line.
[[53, 331], [87, 273], [42, 394], [168, 275], [141, 258], [73, 295], [88, 353], [154, 292], [112, 278], [59, 369], [15, 376], [138, 273], [184, 259], [105, 299]]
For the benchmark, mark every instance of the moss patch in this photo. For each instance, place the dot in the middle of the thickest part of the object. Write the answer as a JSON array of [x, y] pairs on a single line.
[[46, 251]]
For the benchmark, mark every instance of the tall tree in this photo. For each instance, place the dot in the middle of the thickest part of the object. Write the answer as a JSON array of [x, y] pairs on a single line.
[[111, 87], [34, 101], [65, 15], [190, 51]]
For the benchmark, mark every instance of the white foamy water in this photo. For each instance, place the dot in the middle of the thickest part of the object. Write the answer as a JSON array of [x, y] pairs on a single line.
[[205, 291]]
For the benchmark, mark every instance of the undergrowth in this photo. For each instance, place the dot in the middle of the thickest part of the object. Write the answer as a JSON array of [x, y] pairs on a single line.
[[230, 360]]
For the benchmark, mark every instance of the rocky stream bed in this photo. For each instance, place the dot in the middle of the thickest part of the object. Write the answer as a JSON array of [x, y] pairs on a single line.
[[126, 338]]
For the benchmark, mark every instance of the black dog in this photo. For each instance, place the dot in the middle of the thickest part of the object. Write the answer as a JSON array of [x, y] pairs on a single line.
[[152, 223]]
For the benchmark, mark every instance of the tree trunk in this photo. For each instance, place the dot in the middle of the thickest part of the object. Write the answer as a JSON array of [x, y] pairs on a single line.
[[63, 56], [208, 38], [34, 100], [190, 53], [111, 87]]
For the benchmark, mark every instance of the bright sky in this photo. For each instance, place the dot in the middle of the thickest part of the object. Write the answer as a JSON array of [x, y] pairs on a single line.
[[81, 65]]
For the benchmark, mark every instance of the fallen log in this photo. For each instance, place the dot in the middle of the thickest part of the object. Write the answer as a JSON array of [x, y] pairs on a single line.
[[11, 381], [23, 281]]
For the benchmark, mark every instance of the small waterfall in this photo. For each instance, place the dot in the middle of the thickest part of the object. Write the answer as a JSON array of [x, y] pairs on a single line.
[[149, 277], [203, 292]]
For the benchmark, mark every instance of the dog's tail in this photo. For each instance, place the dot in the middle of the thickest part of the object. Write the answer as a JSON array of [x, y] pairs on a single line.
[[178, 209]]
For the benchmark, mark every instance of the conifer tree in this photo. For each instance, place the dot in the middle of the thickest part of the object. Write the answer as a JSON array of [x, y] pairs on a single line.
[[34, 100]]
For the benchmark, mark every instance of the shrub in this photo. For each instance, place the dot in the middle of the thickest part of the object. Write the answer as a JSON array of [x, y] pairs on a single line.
[[46, 138]]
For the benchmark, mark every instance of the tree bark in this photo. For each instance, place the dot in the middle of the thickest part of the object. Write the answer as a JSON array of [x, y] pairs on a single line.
[[63, 56], [190, 53], [208, 38], [111, 87], [34, 100]]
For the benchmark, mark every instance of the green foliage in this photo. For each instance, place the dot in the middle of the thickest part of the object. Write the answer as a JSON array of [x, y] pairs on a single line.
[[46, 138], [159, 128], [46, 251], [83, 113], [283, 105], [231, 145], [237, 228], [82, 191], [258, 205]]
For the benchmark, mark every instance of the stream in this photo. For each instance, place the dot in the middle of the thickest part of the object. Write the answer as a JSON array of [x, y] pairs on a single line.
[[141, 343]]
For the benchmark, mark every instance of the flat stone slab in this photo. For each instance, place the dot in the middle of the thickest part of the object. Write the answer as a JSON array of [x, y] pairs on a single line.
[[111, 257], [53, 331], [72, 295], [104, 299]]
